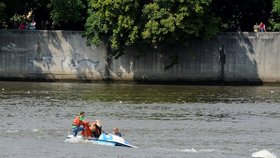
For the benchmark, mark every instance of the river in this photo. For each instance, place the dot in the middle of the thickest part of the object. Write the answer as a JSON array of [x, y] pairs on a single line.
[[161, 120]]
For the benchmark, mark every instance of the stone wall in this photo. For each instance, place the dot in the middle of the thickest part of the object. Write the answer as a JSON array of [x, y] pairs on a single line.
[[63, 55]]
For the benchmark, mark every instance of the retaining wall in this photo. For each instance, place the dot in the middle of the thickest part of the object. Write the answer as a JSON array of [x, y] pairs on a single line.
[[63, 55]]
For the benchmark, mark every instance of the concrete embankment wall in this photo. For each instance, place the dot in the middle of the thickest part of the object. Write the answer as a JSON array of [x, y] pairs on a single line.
[[63, 55]]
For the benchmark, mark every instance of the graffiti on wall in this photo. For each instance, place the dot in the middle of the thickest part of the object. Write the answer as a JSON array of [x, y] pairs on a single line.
[[75, 63], [11, 47], [40, 59]]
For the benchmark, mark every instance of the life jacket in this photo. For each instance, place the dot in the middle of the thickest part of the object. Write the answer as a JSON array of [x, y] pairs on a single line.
[[86, 132], [77, 122]]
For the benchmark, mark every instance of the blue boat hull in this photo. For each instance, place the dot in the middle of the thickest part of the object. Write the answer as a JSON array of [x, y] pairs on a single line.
[[104, 139]]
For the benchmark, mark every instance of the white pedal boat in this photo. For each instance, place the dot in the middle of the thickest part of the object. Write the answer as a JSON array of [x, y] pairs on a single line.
[[104, 139]]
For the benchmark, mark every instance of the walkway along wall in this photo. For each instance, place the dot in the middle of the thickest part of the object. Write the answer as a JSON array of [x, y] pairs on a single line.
[[63, 55]]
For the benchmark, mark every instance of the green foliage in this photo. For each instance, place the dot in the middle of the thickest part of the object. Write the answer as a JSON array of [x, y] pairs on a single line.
[[68, 13], [241, 15], [121, 23], [276, 6], [167, 15], [15, 11], [274, 20], [2, 14], [177, 20], [2, 7], [18, 18], [114, 22]]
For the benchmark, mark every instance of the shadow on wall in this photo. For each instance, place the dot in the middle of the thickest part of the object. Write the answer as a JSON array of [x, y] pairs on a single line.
[[230, 58], [196, 64], [241, 57]]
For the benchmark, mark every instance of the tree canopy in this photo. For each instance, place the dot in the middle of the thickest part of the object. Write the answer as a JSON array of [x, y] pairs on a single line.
[[275, 18], [72, 14], [12, 12], [2, 8], [68, 14], [241, 14], [125, 22]]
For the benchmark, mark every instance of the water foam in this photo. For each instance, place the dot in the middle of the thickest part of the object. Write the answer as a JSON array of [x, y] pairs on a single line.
[[77, 139], [35, 130], [12, 131], [192, 150], [263, 154]]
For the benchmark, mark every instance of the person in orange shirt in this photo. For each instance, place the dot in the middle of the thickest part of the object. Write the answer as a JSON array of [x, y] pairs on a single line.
[[78, 122]]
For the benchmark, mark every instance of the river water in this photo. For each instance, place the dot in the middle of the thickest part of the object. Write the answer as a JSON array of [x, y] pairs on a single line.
[[161, 120]]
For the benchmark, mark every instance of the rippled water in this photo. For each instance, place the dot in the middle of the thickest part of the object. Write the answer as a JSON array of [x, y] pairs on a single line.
[[162, 120]]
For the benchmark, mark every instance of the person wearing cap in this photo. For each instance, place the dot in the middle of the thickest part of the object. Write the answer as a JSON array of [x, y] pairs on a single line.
[[78, 122], [117, 132]]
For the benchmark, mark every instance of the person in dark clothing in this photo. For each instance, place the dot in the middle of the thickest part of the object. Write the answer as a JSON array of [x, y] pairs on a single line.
[[117, 132], [96, 129]]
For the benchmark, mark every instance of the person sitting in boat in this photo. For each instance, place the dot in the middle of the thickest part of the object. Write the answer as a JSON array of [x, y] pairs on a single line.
[[96, 128], [117, 132], [78, 122]]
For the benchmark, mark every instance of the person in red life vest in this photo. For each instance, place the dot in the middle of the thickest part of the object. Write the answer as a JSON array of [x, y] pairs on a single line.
[[96, 128], [86, 133], [92, 130], [78, 124]]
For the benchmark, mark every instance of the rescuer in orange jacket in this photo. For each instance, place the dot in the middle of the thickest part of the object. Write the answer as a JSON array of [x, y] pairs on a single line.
[[78, 123]]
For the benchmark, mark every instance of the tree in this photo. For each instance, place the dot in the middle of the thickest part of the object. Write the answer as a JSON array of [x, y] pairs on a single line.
[[121, 23], [177, 20], [115, 22], [2, 13], [274, 20], [241, 15], [16, 11], [8, 9], [69, 14]]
